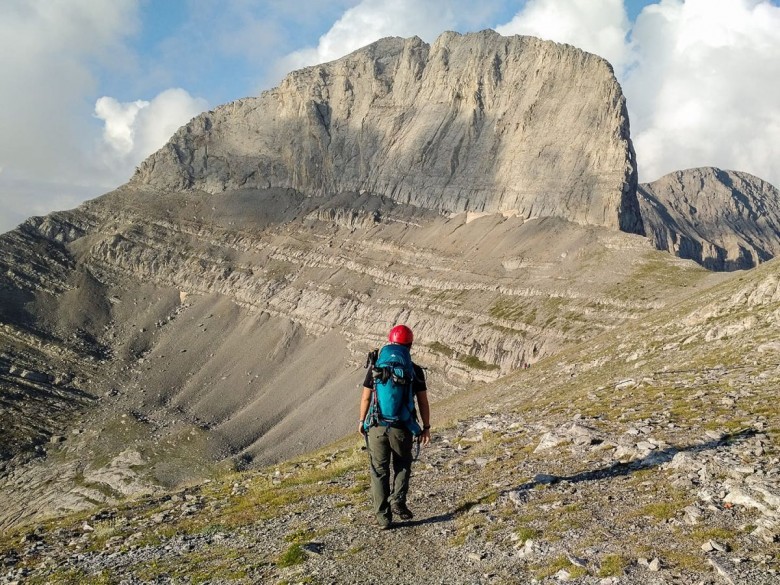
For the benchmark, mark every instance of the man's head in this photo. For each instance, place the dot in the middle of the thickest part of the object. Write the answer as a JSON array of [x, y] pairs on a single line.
[[401, 335]]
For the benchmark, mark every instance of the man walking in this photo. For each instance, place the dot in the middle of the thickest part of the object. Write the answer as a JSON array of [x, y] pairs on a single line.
[[388, 421]]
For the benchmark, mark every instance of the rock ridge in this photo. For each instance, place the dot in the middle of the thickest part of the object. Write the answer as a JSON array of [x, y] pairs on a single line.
[[724, 220]]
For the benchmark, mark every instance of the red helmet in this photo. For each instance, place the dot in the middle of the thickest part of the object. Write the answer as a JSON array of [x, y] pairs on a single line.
[[401, 335]]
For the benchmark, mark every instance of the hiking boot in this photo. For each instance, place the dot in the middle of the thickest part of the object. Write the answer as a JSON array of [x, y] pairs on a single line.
[[402, 512], [385, 525]]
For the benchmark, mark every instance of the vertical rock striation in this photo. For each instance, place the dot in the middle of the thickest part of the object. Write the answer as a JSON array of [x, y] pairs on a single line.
[[475, 122]]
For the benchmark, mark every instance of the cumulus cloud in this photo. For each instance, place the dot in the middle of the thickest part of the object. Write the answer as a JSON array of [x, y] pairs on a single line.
[[371, 20], [134, 130], [704, 89], [701, 77], [53, 55], [118, 132], [48, 53], [596, 26]]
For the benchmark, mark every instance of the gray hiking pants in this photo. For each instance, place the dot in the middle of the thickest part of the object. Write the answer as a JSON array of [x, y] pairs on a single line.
[[386, 445]]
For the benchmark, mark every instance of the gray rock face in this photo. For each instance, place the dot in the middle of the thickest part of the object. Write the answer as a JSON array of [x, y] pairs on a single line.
[[724, 220], [475, 122]]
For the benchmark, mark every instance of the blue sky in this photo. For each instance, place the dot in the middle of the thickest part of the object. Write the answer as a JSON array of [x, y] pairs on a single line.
[[226, 75], [92, 87]]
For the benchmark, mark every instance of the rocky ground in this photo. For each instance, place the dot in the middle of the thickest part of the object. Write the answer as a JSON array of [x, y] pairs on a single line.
[[517, 495]]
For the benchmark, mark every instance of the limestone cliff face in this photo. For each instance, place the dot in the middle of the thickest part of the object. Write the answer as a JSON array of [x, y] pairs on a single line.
[[724, 220], [475, 122]]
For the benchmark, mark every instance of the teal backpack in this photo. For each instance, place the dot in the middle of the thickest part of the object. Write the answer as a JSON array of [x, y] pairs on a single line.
[[392, 401]]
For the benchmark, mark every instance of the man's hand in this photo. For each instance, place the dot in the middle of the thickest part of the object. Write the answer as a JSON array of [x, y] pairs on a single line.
[[425, 437], [361, 430]]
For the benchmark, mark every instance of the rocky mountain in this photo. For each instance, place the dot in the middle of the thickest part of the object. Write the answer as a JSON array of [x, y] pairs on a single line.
[[213, 316], [724, 220], [475, 122]]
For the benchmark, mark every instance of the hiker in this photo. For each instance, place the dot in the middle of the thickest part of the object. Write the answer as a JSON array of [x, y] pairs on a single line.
[[388, 420]]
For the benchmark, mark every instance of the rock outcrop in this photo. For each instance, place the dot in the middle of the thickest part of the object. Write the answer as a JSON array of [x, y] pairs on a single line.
[[475, 122], [724, 220]]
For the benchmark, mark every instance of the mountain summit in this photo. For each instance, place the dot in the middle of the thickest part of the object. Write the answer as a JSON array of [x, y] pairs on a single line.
[[476, 122], [724, 220]]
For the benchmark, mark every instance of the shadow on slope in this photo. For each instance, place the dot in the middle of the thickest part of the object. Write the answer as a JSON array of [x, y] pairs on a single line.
[[620, 469]]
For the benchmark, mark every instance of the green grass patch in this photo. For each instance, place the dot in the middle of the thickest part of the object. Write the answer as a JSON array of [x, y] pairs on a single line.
[[527, 533], [556, 565], [214, 564], [712, 533], [475, 363], [299, 536], [294, 555], [662, 510], [685, 561], [508, 310], [441, 348], [612, 566]]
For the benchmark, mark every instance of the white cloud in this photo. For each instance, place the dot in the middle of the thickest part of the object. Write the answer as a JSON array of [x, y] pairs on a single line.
[[371, 20], [704, 90], [134, 130], [118, 132], [49, 51], [701, 77], [166, 113], [596, 26], [45, 48]]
